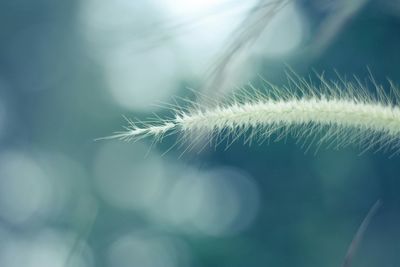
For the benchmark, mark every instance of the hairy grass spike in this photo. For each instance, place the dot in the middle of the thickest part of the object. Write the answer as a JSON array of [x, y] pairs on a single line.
[[337, 113]]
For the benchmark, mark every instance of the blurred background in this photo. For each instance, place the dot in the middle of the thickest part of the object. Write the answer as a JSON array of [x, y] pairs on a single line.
[[70, 70]]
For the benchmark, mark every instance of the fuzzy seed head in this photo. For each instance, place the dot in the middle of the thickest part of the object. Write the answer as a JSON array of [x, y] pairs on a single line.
[[337, 113]]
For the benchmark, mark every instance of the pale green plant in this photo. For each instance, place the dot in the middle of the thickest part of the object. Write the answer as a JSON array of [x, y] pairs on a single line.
[[339, 113]]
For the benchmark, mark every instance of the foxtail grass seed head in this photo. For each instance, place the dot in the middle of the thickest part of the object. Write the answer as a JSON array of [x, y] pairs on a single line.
[[337, 113]]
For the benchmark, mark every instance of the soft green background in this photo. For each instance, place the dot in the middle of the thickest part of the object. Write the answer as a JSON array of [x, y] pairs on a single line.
[[107, 203]]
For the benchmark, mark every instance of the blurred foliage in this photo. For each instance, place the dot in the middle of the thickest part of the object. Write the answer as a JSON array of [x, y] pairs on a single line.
[[70, 69]]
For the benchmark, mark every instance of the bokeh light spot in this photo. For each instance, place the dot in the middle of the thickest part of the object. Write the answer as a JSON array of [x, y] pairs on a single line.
[[129, 177], [218, 202], [25, 190], [145, 249], [47, 248]]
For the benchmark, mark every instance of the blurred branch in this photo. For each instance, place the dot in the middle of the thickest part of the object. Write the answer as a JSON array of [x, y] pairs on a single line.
[[243, 37], [343, 11], [86, 215], [360, 234]]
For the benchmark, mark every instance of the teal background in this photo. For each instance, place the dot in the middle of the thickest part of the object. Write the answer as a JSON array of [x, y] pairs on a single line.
[[67, 200]]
